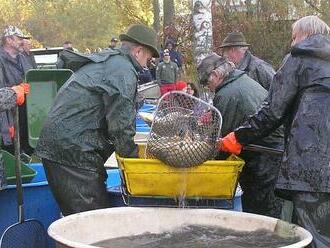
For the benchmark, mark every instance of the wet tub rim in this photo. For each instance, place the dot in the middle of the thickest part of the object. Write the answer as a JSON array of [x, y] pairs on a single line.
[[303, 233]]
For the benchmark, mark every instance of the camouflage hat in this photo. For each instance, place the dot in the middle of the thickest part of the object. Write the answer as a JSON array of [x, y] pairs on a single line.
[[234, 39], [143, 35], [166, 52], [207, 65], [13, 30]]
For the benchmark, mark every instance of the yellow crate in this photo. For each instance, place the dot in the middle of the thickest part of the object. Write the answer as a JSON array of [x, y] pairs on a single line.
[[151, 177]]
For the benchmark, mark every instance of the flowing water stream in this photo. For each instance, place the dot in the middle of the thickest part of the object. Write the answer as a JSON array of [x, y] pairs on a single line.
[[183, 189]]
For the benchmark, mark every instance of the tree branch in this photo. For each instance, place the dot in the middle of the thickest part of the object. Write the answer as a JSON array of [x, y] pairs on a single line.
[[311, 4]]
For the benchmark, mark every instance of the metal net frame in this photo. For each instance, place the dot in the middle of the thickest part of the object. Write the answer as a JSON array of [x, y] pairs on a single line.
[[184, 131]]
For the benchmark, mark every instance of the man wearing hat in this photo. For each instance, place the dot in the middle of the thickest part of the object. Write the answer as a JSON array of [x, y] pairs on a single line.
[[12, 72], [236, 97], [235, 48], [113, 43], [94, 115], [167, 73]]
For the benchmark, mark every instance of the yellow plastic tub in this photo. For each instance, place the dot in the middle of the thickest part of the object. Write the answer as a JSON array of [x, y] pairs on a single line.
[[151, 177]]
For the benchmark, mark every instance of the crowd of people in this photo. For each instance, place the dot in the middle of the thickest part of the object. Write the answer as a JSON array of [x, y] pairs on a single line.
[[94, 115]]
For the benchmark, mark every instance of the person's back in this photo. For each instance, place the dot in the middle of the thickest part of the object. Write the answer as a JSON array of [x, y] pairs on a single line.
[[237, 98], [93, 81], [60, 64], [94, 115], [257, 69], [307, 128]]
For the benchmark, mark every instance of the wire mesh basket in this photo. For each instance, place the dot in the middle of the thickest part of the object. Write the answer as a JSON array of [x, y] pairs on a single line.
[[184, 131]]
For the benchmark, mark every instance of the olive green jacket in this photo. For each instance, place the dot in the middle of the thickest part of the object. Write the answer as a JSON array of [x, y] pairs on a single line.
[[238, 97], [93, 110], [167, 72]]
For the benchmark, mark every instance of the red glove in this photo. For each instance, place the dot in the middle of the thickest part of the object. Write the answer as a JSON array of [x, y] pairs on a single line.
[[21, 90], [230, 144], [26, 87], [11, 132]]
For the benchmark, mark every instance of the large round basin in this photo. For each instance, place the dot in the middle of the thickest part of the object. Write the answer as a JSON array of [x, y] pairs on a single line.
[[83, 229]]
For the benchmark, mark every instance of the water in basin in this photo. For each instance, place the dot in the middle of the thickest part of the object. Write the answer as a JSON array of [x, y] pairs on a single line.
[[201, 236]]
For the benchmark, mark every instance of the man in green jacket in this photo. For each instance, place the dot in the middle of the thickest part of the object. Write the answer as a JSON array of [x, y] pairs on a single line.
[[167, 74], [92, 116], [237, 96]]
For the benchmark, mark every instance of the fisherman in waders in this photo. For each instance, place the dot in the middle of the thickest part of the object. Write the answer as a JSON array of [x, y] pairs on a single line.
[[94, 115], [299, 98]]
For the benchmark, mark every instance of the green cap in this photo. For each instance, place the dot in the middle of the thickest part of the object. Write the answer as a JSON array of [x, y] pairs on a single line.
[[143, 35], [234, 39]]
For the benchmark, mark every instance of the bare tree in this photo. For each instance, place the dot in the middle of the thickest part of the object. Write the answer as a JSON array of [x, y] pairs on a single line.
[[314, 5], [202, 20], [156, 24], [169, 12]]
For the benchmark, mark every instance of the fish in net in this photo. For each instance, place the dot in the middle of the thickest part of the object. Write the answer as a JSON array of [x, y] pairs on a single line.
[[184, 131]]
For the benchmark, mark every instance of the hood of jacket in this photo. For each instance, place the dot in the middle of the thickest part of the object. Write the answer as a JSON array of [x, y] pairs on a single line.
[[317, 45]]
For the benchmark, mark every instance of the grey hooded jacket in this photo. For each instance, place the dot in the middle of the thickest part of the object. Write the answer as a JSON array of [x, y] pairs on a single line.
[[299, 98]]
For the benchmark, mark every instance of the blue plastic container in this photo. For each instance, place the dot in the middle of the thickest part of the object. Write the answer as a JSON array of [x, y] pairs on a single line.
[[143, 129], [39, 202], [148, 107], [141, 125], [114, 181], [113, 178]]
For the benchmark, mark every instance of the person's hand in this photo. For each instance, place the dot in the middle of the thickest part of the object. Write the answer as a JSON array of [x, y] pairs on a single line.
[[26, 87], [11, 131], [230, 144], [21, 90]]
